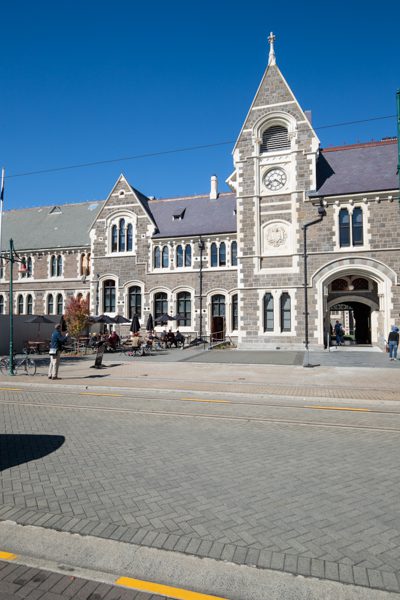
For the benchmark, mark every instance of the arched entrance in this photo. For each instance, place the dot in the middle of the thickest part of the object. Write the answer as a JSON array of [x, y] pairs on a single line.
[[355, 318]]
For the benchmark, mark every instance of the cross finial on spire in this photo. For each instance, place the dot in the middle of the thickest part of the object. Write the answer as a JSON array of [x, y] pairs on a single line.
[[271, 58]]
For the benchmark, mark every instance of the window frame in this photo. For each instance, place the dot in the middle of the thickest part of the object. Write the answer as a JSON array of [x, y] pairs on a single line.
[[284, 311], [160, 299], [185, 298], [268, 312], [109, 296], [135, 307]]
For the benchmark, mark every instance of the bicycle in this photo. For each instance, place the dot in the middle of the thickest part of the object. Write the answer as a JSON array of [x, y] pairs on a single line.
[[24, 364]]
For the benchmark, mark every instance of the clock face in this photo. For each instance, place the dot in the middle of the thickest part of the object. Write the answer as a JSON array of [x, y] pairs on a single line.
[[275, 179]]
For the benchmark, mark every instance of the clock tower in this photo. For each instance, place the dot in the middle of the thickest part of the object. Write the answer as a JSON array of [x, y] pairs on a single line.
[[275, 166]]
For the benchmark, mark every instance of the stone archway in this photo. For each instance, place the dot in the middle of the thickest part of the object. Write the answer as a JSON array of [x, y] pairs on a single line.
[[378, 296]]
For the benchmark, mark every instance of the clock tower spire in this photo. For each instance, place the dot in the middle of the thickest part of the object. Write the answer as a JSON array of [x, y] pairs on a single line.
[[271, 58]]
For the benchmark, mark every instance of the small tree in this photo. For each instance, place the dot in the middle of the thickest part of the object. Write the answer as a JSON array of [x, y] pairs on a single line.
[[77, 315]]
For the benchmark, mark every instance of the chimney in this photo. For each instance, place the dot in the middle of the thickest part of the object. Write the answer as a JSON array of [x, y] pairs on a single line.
[[214, 187]]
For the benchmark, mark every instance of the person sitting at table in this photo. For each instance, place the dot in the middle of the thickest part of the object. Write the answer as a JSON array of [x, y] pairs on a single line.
[[94, 338], [136, 341], [113, 340], [180, 339], [171, 340]]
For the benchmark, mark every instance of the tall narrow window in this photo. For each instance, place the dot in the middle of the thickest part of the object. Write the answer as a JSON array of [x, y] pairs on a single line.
[[53, 266], [184, 309], [134, 301], [160, 304], [188, 255], [121, 241], [235, 313], [234, 254], [165, 257], [29, 266], [20, 305], [268, 312], [109, 296], [214, 255], [129, 238], [114, 238], [179, 256], [357, 226], [222, 254], [157, 259], [344, 228], [29, 304], [286, 312], [60, 304], [1, 304], [59, 266], [50, 304], [218, 305], [2, 270]]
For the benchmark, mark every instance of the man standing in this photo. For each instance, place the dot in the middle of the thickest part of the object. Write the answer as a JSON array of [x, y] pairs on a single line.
[[339, 333], [57, 340]]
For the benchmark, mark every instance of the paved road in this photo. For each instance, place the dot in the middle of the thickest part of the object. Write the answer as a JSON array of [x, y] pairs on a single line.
[[257, 481]]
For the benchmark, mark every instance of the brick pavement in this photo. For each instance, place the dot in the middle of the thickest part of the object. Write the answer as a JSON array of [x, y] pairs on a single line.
[[311, 502], [18, 581]]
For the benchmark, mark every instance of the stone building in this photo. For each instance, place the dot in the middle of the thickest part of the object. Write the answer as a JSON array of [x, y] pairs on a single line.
[[232, 263]]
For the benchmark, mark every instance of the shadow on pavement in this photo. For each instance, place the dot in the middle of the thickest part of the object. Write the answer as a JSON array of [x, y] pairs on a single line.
[[16, 449]]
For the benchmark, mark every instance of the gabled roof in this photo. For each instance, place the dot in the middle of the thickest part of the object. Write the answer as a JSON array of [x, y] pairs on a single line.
[[45, 227], [199, 215], [369, 167]]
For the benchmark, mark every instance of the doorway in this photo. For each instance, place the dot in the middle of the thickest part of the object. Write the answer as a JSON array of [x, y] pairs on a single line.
[[355, 318], [218, 317]]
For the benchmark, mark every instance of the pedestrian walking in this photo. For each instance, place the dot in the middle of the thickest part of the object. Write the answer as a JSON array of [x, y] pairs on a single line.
[[57, 340], [393, 342], [339, 332]]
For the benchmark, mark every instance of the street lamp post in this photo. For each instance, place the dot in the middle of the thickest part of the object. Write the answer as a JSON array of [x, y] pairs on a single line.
[[321, 213], [12, 258]]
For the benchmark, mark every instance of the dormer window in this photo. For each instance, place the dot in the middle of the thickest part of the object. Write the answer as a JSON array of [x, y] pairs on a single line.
[[275, 138], [178, 215]]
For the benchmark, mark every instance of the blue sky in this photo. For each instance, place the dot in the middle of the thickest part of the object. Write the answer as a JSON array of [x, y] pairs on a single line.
[[85, 81]]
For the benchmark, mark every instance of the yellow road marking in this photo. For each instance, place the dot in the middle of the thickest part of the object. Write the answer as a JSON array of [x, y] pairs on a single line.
[[339, 408], [98, 394], [7, 555], [211, 401], [171, 592], [11, 389]]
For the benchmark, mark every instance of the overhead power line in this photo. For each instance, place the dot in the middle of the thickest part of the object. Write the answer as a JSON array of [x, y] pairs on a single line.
[[173, 151]]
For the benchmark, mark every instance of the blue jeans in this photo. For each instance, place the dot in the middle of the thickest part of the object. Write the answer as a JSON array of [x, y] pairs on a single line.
[[392, 349]]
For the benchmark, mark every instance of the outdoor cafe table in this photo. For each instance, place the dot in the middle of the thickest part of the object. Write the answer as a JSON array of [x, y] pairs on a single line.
[[37, 346]]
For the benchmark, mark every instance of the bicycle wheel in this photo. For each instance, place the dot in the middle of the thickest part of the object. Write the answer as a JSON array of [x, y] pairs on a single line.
[[30, 366], [5, 366]]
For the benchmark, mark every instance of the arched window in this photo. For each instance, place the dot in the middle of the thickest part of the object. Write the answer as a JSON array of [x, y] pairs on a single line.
[[165, 257], [339, 285], [85, 264], [50, 304], [179, 256], [59, 265], [360, 283], [357, 227], [184, 309], [1, 304], [188, 255], [234, 254], [53, 266], [129, 238], [60, 304], [160, 304], [28, 267], [114, 238], [275, 138], [344, 228], [134, 301], [20, 305], [286, 312], [235, 313], [222, 254], [218, 305], [214, 255], [29, 304], [109, 296], [157, 257], [121, 241], [268, 312]]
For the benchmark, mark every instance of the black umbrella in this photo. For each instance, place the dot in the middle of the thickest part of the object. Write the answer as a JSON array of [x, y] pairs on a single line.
[[120, 319], [150, 324], [39, 319], [163, 319], [102, 319], [135, 325]]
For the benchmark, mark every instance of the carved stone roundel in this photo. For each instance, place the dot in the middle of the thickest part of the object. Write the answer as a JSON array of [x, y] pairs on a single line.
[[276, 236]]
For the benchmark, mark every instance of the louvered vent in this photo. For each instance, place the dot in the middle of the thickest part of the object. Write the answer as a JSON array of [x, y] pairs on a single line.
[[275, 138]]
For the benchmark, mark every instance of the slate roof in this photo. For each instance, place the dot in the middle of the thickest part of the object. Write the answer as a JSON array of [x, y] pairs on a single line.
[[48, 227], [369, 167], [200, 215]]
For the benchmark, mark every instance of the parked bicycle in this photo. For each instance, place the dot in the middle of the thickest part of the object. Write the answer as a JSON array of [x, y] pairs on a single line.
[[20, 365]]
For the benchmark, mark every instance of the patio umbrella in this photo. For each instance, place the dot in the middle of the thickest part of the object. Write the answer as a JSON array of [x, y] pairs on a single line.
[[135, 325], [102, 319], [120, 319], [150, 324], [163, 319], [39, 319]]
